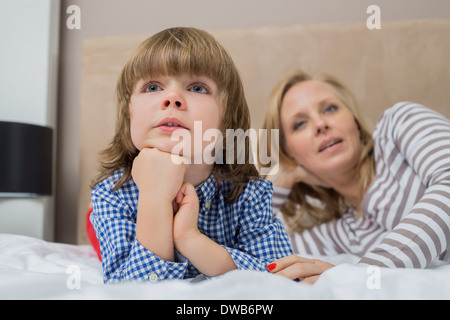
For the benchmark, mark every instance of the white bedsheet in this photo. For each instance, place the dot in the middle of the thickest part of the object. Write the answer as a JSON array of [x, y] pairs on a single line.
[[35, 269]]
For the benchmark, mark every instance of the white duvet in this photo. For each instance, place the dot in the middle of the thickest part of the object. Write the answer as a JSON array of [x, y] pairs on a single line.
[[35, 269]]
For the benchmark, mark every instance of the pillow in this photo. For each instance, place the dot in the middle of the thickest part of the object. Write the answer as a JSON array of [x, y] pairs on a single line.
[[90, 231]]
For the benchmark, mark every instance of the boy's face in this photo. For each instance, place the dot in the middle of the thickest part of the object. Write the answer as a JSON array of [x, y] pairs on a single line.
[[165, 105]]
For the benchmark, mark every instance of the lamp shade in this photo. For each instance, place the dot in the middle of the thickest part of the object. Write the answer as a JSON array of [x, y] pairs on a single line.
[[26, 159]]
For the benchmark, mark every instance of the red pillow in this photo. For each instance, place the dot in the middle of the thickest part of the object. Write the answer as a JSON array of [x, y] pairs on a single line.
[[91, 234]]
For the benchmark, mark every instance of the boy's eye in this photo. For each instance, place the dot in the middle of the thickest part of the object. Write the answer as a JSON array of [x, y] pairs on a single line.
[[198, 88], [152, 88]]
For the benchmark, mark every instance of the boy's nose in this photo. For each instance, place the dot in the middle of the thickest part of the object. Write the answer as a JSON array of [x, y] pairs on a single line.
[[168, 102], [174, 99]]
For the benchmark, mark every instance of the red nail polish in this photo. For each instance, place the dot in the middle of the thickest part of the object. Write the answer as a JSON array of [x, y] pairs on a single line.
[[271, 266]]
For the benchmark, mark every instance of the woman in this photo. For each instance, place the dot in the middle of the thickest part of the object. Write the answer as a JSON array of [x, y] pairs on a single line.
[[384, 198]]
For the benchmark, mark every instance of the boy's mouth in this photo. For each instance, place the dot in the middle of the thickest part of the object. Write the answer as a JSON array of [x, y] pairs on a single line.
[[171, 124]]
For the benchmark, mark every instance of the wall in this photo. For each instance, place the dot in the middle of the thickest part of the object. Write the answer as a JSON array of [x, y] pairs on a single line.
[[28, 84], [104, 18]]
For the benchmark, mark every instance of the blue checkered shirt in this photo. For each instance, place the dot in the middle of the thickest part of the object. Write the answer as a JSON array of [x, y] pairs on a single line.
[[246, 228]]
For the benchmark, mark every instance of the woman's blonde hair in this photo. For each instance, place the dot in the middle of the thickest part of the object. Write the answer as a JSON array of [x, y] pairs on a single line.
[[172, 52], [308, 205]]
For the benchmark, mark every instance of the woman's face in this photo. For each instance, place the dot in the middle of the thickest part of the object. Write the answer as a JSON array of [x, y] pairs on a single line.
[[320, 131]]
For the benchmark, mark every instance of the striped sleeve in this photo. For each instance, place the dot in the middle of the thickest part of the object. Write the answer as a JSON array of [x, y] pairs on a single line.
[[279, 198], [422, 138], [344, 235]]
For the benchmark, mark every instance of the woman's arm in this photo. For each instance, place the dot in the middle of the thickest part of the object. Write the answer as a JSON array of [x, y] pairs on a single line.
[[422, 137], [284, 177]]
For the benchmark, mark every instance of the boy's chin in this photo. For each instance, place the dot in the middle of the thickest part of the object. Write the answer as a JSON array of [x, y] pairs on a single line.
[[171, 149], [168, 147], [188, 156]]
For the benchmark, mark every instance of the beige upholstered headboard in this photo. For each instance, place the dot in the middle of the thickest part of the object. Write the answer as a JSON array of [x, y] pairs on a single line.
[[405, 60]]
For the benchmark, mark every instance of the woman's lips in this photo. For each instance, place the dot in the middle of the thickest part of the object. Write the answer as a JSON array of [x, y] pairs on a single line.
[[329, 143]]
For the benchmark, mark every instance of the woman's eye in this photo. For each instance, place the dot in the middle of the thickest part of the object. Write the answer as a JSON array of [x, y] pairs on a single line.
[[199, 89], [331, 108], [298, 125]]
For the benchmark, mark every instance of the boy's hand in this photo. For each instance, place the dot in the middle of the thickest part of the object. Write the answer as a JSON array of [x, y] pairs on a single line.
[[186, 207], [158, 179], [207, 256], [155, 173]]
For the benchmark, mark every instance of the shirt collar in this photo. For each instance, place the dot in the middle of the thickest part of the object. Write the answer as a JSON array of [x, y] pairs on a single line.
[[207, 189]]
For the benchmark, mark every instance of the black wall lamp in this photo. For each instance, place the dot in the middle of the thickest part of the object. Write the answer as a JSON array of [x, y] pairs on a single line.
[[26, 156]]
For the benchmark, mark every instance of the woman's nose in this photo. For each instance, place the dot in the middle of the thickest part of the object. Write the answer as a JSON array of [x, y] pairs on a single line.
[[321, 126]]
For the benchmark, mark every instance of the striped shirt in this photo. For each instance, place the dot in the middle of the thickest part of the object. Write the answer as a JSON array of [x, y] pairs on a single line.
[[246, 228], [405, 221]]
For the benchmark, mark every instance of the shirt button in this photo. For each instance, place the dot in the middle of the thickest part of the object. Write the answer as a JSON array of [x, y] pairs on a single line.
[[153, 277], [208, 204]]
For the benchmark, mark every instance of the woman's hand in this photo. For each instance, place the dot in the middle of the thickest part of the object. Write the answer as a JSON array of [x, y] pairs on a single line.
[[285, 176], [295, 267]]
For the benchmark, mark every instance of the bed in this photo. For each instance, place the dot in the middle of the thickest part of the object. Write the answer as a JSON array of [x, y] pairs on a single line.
[[376, 64], [32, 268]]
